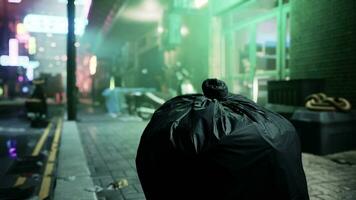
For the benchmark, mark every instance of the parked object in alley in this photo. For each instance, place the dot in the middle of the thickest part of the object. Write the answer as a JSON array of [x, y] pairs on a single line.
[[325, 132], [145, 102], [28, 165], [293, 92], [36, 106], [326, 124], [219, 146], [285, 96], [116, 99]]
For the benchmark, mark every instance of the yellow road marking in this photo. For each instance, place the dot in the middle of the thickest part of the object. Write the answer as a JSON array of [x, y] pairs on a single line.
[[21, 180], [48, 170], [45, 190], [46, 180], [55, 144], [43, 138]]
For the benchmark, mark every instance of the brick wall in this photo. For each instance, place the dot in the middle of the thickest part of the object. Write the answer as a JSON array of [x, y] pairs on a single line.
[[323, 34]]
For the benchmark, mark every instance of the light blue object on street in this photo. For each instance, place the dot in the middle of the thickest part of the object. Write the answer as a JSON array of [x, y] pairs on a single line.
[[115, 98]]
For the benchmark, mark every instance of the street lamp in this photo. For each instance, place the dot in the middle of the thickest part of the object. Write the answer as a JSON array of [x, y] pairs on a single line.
[[92, 70], [92, 65]]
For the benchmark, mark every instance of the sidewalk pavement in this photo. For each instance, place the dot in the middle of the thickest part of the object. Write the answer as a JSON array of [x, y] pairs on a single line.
[[73, 176], [110, 146]]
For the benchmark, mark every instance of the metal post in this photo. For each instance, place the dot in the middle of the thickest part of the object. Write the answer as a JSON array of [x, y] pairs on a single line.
[[71, 64]]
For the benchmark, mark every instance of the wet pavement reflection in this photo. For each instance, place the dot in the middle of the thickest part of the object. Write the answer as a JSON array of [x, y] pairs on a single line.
[[23, 154], [17, 139], [12, 148]]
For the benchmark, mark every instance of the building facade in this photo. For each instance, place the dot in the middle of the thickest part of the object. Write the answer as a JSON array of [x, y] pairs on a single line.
[[252, 46]]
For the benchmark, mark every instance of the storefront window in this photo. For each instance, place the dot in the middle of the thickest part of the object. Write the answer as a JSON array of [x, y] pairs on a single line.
[[242, 42], [254, 8], [258, 46], [266, 45], [260, 89]]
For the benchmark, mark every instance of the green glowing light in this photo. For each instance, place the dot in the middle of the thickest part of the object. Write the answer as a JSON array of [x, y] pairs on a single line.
[[184, 31], [200, 3], [112, 83], [160, 29]]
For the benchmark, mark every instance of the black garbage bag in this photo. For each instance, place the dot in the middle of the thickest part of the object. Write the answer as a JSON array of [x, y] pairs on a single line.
[[219, 146]]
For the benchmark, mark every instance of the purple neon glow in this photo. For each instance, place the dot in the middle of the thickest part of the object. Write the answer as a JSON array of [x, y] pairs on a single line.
[[14, 1], [11, 146], [13, 47], [20, 78], [12, 153]]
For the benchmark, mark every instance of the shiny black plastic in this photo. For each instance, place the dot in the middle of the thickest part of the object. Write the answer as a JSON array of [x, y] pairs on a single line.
[[196, 147]]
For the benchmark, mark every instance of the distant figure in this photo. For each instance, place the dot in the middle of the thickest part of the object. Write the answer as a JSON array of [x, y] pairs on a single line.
[[36, 105], [112, 101], [39, 94], [59, 88]]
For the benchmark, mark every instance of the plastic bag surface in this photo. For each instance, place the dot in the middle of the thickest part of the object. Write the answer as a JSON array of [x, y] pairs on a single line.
[[219, 146]]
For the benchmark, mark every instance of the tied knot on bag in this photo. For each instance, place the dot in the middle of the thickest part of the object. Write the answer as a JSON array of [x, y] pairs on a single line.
[[321, 102], [215, 89]]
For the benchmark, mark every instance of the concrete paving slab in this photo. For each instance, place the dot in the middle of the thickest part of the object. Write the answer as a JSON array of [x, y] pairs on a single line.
[[76, 189], [111, 149], [72, 163]]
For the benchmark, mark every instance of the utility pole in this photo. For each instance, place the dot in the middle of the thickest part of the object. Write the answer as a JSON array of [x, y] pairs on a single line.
[[71, 64]]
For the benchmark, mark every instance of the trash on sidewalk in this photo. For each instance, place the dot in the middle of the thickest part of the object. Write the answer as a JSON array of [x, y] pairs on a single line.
[[67, 178], [219, 146], [95, 189], [116, 185]]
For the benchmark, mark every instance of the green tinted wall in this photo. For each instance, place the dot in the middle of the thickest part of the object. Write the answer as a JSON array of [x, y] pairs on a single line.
[[194, 47], [323, 44]]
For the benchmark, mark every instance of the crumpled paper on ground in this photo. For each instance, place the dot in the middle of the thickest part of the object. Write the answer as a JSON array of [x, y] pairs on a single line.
[[116, 185]]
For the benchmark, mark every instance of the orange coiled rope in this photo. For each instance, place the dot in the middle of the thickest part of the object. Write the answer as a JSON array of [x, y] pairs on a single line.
[[321, 102]]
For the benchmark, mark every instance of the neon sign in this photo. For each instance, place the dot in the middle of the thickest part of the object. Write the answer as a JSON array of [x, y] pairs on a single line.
[[21, 33], [32, 45], [52, 24], [13, 59], [14, 1]]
